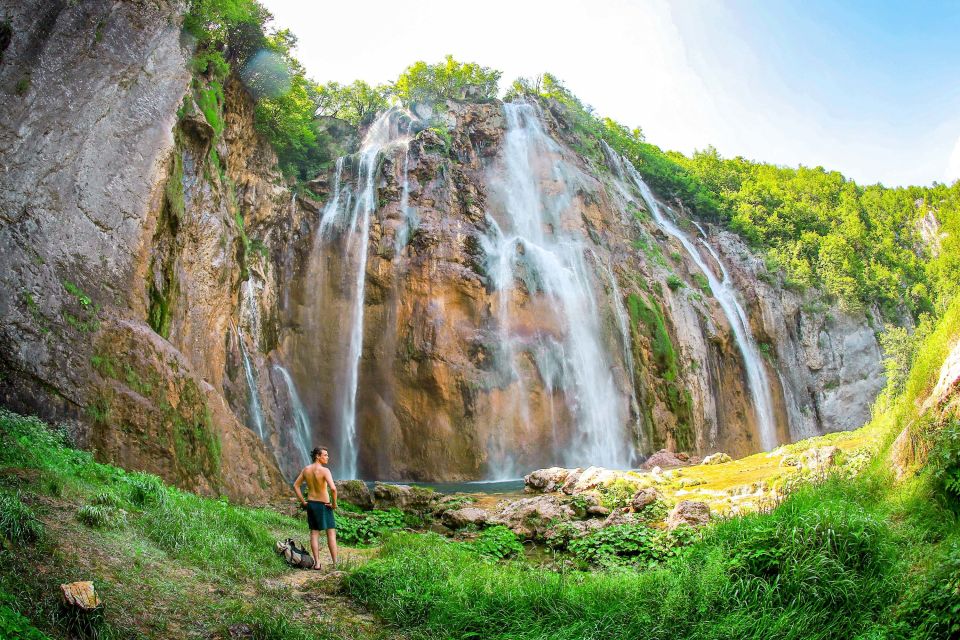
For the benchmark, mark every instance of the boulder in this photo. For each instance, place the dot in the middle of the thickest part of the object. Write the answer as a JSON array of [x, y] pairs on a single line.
[[644, 498], [571, 482], [594, 477], [689, 512], [664, 458], [717, 458], [356, 492], [460, 518], [546, 480], [532, 517], [597, 510], [623, 515], [402, 496]]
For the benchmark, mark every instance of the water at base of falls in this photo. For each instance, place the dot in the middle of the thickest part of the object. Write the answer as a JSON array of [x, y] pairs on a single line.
[[528, 240]]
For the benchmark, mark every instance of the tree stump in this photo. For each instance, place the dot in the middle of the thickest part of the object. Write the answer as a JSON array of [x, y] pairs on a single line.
[[81, 595]]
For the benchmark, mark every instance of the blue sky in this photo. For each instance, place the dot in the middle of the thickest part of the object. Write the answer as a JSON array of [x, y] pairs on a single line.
[[871, 89]]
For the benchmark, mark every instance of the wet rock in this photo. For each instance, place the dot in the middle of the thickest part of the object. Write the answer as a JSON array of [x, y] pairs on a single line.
[[467, 516], [664, 458], [621, 515], [644, 498], [689, 512], [356, 492], [531, 517], [546, 480], [570, 485], [560, 534], [401, 496], [717, 458]]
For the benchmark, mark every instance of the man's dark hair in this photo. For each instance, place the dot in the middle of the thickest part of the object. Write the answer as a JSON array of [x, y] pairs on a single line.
[[316, 453]]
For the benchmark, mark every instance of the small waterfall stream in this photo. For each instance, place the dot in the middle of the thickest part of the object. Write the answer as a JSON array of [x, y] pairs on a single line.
[[531, 243], [304, 434], [726, 297], [253, 403]]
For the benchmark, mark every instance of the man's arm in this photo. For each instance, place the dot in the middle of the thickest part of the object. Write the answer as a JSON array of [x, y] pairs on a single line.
[[296, 488], [333, 490]]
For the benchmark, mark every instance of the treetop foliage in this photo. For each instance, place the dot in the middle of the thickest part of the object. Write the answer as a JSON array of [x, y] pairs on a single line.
[[448, 80]]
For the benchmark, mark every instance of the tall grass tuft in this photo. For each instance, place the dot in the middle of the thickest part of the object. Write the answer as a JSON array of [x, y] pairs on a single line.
[[18, 524]]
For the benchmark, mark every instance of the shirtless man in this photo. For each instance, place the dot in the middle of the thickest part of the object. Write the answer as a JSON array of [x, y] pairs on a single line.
[[318, 503]]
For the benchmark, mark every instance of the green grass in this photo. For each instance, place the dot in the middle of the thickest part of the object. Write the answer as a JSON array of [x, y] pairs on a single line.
[[163, 553], [829, 563]]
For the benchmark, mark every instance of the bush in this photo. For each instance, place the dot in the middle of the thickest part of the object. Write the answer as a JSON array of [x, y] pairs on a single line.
[[945, 462], [498, 542], [432, 83], [145, 489], [14, 625], [18, 524], [932, 607], [367, 528], [618, 493], [626, 544]]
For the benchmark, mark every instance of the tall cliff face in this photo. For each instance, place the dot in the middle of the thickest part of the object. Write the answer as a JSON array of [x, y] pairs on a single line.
[[447, 392], [106, 204], [465, 301]]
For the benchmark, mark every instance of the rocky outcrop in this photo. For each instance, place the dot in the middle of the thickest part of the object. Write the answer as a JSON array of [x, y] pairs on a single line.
[[118, 257], [690, 513], [355, 492]]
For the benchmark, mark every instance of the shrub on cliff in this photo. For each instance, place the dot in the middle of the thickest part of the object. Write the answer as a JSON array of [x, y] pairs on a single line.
[[450, 79]]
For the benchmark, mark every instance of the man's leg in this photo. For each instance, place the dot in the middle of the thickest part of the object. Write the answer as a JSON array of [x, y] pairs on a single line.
[[332, 544], [315, 547]]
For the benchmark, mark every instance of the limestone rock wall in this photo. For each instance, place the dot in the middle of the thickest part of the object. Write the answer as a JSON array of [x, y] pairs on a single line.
[[93, 237]]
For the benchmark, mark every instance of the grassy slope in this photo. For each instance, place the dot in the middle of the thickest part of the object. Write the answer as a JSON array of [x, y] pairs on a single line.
[[167, 563]]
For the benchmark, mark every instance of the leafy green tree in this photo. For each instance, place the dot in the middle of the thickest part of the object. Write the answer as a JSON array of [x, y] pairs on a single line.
[[355, 103], [432, 83]]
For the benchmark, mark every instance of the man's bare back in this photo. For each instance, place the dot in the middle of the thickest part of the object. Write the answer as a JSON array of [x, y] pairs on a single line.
[[317, 477]]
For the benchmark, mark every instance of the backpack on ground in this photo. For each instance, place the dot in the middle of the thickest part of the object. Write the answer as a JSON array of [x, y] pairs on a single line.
[[294, 555]]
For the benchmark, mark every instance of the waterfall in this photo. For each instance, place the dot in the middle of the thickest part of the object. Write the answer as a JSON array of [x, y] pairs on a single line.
[[725, 295], [301, 421], [624, 326], [254, 401], [532, 244], [410, 220], [349, 212]]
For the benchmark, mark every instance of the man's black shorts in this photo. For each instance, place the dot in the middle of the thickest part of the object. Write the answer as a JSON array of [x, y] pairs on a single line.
[[320, 515]]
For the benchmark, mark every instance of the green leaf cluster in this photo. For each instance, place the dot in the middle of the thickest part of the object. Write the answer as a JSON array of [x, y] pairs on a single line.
[[447, 80], [497, 542]]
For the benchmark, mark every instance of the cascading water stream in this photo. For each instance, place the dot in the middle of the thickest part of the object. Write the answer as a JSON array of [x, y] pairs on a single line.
[[301, 421], [254, 400], [355, 221], [531, 243], [624, 326], [725, 295], [410, 221]]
